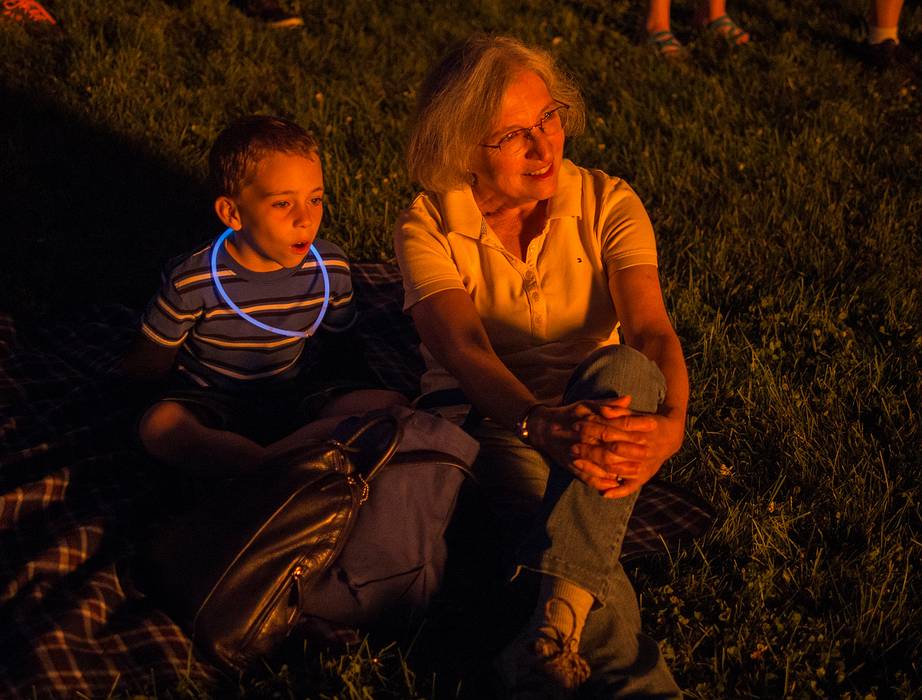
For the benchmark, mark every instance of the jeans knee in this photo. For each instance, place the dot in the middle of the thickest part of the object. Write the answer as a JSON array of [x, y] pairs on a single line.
[[618, 370]]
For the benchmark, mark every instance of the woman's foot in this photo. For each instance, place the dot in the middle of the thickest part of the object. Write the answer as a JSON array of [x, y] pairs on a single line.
[[545, 664]]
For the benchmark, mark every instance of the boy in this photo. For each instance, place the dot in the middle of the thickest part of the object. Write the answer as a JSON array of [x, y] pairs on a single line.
[[238, 388]]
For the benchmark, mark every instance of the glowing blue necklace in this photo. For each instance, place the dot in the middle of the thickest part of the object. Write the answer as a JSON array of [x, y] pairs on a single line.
[[259, 324]]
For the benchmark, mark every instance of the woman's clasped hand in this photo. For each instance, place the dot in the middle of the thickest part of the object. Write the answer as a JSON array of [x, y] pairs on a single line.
[[604, 443]]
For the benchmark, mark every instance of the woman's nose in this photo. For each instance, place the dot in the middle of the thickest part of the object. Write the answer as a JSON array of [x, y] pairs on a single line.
[[539, 145]]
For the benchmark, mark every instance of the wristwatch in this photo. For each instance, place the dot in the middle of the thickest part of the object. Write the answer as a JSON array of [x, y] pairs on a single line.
[[521, 425]]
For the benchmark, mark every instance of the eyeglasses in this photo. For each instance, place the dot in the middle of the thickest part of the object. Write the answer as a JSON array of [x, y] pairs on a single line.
[[517, 142]]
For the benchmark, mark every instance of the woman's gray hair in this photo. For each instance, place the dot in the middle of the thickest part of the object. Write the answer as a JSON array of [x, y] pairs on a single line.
[[460, 98]]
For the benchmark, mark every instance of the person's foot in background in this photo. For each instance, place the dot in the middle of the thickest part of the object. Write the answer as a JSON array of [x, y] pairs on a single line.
[[25, 10], [883, 48], [270, 12]]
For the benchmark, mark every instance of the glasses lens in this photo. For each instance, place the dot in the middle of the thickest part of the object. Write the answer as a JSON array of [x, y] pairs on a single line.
[[514, 143], [518, 141], [554, 123]]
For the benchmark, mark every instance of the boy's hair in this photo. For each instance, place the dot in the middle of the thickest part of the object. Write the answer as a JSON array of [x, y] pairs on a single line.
[[243, 143]]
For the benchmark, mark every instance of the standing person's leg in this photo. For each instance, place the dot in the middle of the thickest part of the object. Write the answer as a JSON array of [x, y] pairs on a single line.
[[882, 48], [712, 17], [576, 550], [657, 16], [884, 21], [659, 32]]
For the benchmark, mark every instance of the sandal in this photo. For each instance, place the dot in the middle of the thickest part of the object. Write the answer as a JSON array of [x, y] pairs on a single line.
[[548, 668], [666, 45], [727, 29]]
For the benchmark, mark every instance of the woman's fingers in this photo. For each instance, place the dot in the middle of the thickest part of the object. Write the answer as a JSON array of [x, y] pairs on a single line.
[[624, 488], [592, 475], [593, 432], [610, 454], [610, 485], [629, 421]]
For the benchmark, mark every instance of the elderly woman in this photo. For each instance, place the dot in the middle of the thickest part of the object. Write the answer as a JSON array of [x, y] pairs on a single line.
[[520, 269]]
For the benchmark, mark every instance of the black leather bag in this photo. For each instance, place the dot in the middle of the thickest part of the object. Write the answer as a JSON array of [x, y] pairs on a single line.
[[235, 573]]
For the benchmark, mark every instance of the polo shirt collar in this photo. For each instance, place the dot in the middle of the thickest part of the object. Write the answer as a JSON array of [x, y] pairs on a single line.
[[567, 198], [462, 215]]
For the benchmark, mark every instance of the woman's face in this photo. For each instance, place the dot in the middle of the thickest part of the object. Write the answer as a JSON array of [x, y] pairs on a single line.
[[506, 178]]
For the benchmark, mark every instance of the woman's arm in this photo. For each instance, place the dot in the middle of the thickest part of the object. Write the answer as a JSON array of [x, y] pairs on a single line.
[[450, 327], [646, 327]]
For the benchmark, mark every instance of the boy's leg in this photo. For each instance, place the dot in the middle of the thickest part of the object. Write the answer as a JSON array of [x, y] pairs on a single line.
[[174, 434], [361, 401], [331, 414]]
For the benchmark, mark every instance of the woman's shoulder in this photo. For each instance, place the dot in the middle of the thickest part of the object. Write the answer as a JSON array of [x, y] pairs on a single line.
[[610, 197], [598, 183], [425, 214]]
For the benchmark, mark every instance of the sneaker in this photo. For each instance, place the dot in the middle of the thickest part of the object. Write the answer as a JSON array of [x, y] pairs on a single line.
[[546, 668], [270, 12]]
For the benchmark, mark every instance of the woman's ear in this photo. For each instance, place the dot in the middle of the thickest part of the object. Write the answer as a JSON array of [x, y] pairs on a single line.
[[226, 209]]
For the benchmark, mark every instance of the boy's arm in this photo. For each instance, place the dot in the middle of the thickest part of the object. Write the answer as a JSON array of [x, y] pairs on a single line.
[[342, 355], [147, 360]]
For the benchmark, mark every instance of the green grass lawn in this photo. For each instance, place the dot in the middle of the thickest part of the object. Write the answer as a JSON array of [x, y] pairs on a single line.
[[784, 181]]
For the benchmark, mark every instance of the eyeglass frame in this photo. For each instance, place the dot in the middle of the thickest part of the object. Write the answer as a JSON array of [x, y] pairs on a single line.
[[528, 129]]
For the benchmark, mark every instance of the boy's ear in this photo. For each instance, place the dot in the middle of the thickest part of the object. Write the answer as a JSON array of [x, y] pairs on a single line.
[[226, 209]]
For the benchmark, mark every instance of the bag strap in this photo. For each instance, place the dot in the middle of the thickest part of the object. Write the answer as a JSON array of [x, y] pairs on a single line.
[[435, 457], [388, 452]]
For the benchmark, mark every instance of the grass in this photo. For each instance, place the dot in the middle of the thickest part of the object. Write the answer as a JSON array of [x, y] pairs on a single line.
[[783, 181]]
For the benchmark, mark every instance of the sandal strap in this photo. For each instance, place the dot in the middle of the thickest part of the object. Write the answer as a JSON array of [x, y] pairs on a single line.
[[665, 43], [725, 22], [663, 38], [720, 22]]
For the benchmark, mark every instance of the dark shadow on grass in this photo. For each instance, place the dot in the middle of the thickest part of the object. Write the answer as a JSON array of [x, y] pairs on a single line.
[[89, 215]]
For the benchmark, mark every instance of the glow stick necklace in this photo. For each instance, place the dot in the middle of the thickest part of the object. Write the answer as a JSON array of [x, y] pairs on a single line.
[[259, 324]]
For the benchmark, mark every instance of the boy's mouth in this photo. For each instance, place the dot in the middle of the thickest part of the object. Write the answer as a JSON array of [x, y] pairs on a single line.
[[301, 247]]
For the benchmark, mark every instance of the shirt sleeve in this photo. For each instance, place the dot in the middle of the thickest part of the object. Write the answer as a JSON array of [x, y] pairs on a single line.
[[423, 253], [626, 232], [170, 314], [341, 313]]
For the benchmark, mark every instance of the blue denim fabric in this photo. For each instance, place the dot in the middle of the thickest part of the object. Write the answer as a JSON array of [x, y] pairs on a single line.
[[565, 528]]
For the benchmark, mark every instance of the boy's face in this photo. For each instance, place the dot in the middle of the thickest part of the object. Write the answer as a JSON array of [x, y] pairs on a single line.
[[277, 213]]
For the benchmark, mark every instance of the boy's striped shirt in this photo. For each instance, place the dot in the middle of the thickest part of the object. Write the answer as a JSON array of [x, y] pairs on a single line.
[[217, 347]]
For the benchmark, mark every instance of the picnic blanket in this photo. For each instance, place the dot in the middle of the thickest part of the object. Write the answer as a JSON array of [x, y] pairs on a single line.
[[75, 490]]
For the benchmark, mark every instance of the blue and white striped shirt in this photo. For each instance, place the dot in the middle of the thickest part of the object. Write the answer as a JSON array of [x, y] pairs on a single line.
[[218, 348]]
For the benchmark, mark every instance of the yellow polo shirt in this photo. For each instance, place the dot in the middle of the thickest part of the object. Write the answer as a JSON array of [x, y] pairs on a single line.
[[543, 315]]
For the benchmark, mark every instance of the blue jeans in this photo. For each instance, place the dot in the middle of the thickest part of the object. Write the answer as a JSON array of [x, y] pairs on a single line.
[[555, 524]]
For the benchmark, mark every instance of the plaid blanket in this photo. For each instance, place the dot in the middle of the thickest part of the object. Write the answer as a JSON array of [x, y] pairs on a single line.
[[74, 490]]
